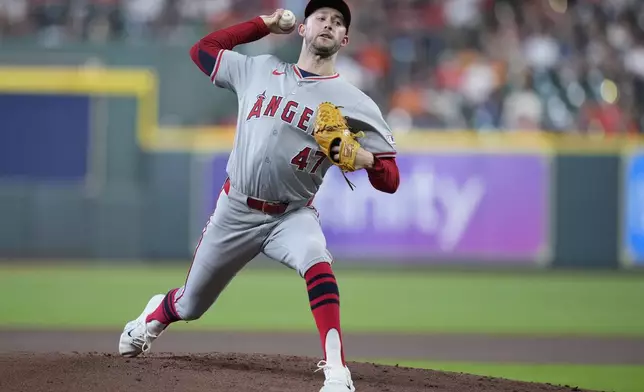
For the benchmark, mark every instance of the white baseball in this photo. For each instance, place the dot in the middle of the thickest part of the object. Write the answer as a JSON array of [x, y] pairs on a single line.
[[287, 20]]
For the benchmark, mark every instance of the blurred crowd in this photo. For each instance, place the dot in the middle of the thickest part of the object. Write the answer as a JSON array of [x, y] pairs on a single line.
[[488, 65]]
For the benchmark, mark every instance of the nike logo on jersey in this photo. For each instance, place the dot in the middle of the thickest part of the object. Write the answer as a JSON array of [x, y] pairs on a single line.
[[289, 111], [276, 73]]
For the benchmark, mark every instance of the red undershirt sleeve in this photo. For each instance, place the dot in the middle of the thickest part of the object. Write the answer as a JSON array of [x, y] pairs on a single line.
[[204, 52], [384, 175]]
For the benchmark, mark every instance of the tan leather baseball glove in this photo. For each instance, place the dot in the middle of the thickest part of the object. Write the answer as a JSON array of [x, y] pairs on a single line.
[[330, 130]]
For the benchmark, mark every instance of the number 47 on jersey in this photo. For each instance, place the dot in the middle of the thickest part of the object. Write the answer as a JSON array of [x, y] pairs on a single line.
[[301, 160]]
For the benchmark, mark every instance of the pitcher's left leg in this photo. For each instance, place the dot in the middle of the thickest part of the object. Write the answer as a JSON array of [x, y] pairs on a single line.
[[297, 241]]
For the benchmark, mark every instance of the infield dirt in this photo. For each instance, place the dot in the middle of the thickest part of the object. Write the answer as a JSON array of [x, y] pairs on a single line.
[[58, 361]]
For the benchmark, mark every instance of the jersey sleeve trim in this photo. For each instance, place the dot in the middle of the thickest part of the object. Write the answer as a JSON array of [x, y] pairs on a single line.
[[388, 154], [217, 64]]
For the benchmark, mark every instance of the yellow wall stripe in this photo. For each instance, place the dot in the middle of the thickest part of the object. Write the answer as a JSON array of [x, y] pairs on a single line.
[[142, 84]]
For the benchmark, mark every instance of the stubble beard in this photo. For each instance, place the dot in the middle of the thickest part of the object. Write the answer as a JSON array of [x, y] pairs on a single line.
[[323, 51]]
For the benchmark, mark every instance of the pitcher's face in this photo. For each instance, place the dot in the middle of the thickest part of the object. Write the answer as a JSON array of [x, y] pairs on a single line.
[[324, 32]]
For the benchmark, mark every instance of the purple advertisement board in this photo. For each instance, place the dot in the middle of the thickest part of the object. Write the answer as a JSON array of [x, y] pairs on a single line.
[[473, 207]]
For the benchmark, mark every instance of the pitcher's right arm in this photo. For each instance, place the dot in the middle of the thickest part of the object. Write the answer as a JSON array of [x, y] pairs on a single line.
[[214, 54]]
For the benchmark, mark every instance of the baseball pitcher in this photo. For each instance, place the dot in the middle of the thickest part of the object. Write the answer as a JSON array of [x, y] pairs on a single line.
[[296, 121]]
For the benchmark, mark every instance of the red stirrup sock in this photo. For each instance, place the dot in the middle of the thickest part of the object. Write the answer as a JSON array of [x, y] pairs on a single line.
[[165, 313], [324, 298]]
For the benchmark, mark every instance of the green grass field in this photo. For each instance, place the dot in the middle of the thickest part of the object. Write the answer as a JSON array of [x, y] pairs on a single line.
[[276, 300], [621, 378], [384, 301]]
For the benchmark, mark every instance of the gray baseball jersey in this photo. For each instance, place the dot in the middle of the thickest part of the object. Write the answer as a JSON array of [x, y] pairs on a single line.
[[275, 156]]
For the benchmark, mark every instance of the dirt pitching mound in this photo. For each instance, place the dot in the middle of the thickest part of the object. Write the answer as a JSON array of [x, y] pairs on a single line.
[[96, 372]]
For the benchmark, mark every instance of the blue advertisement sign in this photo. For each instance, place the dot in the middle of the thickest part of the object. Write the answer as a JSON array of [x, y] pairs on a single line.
[[44, 137], [466, 206], [634, 209]]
